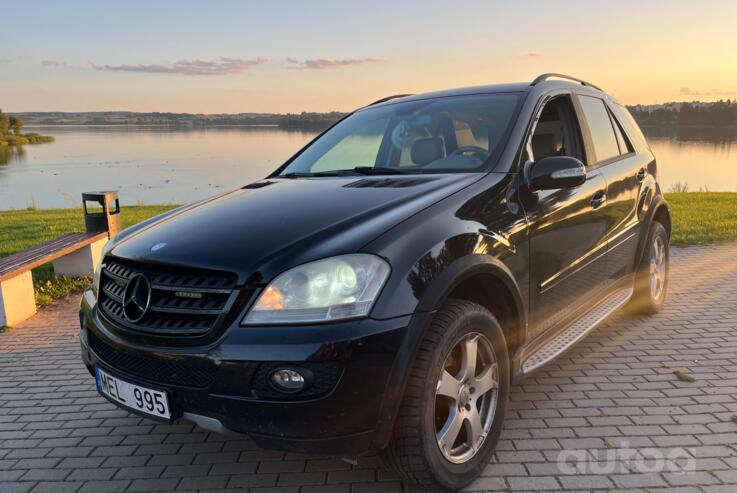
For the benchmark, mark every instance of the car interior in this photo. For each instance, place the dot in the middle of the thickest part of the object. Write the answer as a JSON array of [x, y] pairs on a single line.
[[557, 132]]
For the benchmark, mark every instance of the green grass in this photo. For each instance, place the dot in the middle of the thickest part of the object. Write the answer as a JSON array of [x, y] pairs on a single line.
[[703, 217], [48, 287]]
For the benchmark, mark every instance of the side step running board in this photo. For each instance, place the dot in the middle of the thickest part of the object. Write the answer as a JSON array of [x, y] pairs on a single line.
[[577, 330]]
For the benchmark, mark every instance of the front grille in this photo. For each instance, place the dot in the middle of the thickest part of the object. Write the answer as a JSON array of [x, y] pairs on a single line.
[[182, 304], [156, 370]]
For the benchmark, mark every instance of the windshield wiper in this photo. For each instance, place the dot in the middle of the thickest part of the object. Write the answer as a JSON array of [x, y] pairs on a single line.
[[382, 170], [297, 174], [358, 170]]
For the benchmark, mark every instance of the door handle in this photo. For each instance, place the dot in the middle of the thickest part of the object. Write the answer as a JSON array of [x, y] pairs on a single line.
[[598, 199], [641, 174]]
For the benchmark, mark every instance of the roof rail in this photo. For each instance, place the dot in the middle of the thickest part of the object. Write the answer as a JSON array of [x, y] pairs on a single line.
[[383, 100], [544, 77]]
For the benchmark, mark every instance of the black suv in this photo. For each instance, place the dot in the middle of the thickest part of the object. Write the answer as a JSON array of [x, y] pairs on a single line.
[[381, 290]]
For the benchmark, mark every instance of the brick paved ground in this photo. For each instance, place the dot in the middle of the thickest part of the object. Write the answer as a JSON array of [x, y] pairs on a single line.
[[615, 394]]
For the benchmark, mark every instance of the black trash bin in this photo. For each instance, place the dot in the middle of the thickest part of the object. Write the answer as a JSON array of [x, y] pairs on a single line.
[[105, 216]]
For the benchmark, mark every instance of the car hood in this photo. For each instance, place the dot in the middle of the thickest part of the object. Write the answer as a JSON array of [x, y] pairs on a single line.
[[272, 225]]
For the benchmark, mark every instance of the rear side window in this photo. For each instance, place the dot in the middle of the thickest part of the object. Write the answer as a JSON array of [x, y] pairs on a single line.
[[600, 126], [624, 144], [630, 127]]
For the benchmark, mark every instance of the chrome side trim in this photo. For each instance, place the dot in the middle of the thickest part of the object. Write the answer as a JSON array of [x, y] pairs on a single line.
[[577, 330]]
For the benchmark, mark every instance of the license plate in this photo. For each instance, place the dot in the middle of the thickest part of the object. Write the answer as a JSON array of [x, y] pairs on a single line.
[[142, 399]]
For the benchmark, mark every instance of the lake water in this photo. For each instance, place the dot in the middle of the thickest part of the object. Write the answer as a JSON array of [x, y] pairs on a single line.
[[153, 165]]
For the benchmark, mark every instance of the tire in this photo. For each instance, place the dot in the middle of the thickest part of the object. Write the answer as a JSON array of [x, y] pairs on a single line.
[[414, 450], [646, 299]]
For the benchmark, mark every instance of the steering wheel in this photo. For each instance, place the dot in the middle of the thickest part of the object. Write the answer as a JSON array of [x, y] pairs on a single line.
[[480, 152]]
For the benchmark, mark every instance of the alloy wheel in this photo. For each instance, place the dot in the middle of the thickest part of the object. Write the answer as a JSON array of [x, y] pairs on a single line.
[[466, 398], [657, 268]]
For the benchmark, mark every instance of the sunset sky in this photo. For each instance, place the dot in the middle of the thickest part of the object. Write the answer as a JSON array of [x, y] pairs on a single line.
[[279, 56]]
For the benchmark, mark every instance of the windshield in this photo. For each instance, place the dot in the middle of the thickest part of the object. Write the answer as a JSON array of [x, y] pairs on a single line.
[[449, 134]]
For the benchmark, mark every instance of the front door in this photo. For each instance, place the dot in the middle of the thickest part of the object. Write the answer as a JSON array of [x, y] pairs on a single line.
[[567, 227]]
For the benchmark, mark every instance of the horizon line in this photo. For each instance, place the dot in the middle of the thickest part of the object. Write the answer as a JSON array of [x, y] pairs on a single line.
[[303, 111]]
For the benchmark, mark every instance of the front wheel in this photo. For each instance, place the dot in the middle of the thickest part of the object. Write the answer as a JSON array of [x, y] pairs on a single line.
[[452, 412], [651, 281]]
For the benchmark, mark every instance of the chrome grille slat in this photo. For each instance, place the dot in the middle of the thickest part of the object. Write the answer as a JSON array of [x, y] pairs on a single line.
[[163, 287], [187, 311]]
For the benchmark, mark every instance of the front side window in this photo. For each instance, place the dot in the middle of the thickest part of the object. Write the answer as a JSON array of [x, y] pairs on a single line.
[[449, 134], [600, 127], [556, 132]]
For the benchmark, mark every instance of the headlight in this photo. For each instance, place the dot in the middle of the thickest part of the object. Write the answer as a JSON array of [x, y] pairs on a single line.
[[329, 289]]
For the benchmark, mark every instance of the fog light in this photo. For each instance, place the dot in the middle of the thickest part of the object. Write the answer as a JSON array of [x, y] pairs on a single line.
[[287, 381]]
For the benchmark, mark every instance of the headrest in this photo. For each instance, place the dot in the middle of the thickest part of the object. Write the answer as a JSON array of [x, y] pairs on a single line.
[[543, 145], [425, 151]]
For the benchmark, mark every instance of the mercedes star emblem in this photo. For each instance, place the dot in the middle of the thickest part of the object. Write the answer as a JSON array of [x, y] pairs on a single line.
[[136, 298]]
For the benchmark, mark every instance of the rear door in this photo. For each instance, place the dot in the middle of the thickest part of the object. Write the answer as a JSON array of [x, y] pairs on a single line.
[[613, 155]]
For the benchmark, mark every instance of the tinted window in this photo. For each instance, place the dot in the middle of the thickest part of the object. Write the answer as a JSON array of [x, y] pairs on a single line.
[[358, 148], [631, 129], [430, 135], [600, 126], [624, 145], [556, 132]]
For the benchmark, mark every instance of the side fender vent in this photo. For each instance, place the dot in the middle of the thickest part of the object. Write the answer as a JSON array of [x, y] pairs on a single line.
[[257, 184]]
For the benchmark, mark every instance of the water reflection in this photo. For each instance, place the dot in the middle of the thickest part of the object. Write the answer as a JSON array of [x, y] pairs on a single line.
[[11, 153], [703, 164]]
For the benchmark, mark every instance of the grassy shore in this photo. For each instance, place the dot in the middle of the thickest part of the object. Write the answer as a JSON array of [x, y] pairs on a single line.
[[19, 140], [704, 217], [698, 219]]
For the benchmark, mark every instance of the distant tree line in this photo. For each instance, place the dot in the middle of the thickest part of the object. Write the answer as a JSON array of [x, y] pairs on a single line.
[[718, 114], [311, 121], [316, 121]]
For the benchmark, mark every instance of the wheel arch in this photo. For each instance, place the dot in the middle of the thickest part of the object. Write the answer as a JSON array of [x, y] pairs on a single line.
[[459, 277], [658, 210], [485, 280]]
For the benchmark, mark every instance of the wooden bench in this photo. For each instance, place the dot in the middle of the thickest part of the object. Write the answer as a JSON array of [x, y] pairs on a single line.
[[73, 254]]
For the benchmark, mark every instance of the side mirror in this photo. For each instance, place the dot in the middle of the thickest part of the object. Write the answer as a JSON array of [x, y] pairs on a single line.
[[554, 172]]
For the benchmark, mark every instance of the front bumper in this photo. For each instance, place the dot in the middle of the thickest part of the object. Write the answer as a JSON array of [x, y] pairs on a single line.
[[359, 369]]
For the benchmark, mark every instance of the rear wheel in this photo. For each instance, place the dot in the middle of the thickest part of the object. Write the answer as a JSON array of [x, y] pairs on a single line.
[[452, 411], [651, 281]]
